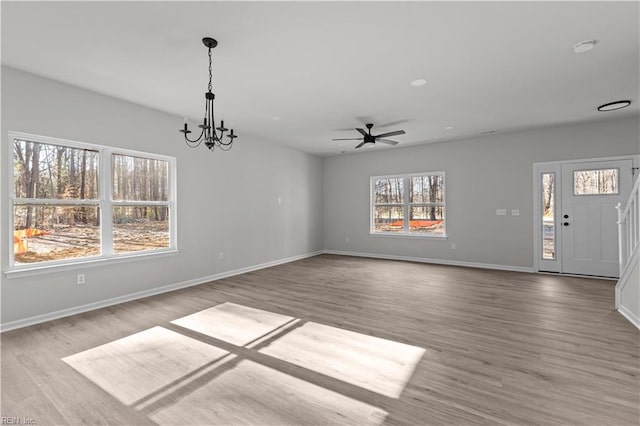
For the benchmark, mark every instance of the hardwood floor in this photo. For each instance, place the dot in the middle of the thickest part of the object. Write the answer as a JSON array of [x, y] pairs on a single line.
[[492, 347]]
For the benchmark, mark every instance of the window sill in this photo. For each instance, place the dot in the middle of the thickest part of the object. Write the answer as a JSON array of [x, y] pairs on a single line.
[[28, 270], [390, 234]]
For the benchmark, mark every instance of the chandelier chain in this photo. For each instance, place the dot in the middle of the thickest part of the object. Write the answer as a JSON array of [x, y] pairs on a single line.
[[210, 71]]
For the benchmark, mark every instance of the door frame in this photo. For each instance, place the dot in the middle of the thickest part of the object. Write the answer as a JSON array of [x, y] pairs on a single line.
[[546, 265]]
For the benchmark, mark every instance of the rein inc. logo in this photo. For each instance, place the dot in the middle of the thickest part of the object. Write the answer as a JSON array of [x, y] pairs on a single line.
[[15, 420]]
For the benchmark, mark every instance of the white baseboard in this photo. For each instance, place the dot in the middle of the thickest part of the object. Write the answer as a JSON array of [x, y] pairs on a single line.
[[633, 319], [25, 322], [435, 261]]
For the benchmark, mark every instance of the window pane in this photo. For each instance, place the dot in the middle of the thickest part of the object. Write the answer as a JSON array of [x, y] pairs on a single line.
[[44, 233], [389, 190], [426, 189], [139, 179], [595, 182], [427, 220], [388, 219], [548, 220], [140, 228], [52, 171]]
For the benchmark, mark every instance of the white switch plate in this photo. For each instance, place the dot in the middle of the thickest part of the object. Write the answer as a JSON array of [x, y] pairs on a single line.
[[501, 212], [515, 212]]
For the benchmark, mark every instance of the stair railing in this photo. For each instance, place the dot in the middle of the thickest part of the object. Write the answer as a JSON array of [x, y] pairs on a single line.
[[628, 228]]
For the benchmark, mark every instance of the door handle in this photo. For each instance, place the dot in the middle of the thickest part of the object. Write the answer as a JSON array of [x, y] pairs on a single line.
[[565, 224]]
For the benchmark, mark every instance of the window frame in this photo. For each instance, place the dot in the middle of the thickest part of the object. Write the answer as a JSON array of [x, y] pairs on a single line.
[[104, 202], [406, 206]]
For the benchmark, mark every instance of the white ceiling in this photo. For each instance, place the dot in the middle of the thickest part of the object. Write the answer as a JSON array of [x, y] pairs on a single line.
[[326, 67]]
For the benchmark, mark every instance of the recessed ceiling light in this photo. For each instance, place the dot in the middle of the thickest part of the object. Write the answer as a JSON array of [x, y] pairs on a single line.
[[583, 46], [275, 118], [419, 82], [612, 106], [449, 128]]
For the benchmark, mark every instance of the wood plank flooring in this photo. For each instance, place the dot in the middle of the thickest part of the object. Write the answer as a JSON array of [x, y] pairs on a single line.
[[500, 347]]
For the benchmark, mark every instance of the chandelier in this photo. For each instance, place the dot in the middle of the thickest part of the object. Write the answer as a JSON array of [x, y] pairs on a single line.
[[211, 136]]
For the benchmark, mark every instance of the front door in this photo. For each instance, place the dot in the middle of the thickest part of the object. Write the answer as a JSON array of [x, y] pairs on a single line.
[[590, 192]]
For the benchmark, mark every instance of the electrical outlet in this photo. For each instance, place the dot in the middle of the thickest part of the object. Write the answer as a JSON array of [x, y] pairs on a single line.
[[279, 200], [453, 246], [221, 255], [347, 239], [80, 279], [515, 212]]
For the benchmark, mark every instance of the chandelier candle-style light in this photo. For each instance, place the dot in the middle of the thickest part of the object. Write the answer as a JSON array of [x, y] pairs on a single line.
[[209, 135]]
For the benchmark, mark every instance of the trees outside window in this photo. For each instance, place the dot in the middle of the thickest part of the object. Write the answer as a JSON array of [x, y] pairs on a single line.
[[595, 182], [71, 201], [408, 204]]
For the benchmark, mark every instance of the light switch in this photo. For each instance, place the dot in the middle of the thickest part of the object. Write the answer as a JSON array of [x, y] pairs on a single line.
[[501, 212]]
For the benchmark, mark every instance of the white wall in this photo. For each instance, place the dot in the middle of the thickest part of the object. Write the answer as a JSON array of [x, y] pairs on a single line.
[[482, 175], [227, 201]]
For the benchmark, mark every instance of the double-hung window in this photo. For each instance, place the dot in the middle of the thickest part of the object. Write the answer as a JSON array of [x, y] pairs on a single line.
[[72, 202], [411, 204]]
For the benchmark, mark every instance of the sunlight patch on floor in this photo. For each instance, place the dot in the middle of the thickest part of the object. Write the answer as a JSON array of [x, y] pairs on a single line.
[[178, 386], [379, 365], [176, 379], [251, 393], [135, 366], [236, 324]]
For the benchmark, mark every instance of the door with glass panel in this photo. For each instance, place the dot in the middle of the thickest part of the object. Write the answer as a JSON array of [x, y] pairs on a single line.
[[575, 216], [590, 192]]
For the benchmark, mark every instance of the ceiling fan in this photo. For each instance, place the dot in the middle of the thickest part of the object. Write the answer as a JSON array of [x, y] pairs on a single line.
[[367, 137]]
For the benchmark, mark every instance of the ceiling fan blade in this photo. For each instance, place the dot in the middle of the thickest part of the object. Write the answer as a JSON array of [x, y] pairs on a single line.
[[391, 123], [388, 141], [360, 144], [347, 139], [362, 132], [394, 133]]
